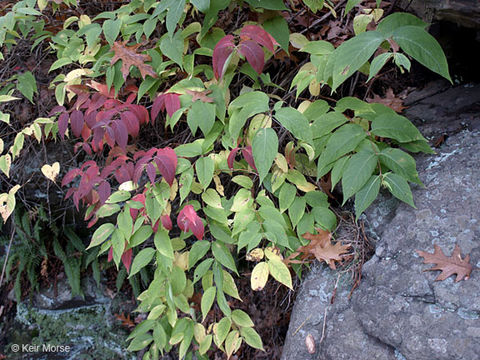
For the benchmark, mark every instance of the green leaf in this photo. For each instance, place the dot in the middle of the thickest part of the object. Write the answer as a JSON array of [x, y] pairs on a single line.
[[111, 30], [280, 272], [174, 13], [163, 244], [140, 235], [295, 122], [172, 47], [296, 210], [343, 141], [159, 335], [394, 21], [243, 181], [202, 269], [395, 127], [352, 54], [201, 5], [198, 250], [223, 255], [402, 61], [251, 337], [221, 330], [27, 85], [399, 188], [423, 47], [326, 123], [278, 28], [351, 4], [140, 342], [243, 107], [118, 196], [141, 260], [319, 47], [378, 63], [101, 234], [357, 172], [241, 318], [229, 286], [201, 115], [205, 167], [264, 149], [337, 170], [401, 163], [286, 196], [366, 195], [60, 63], [207, 301], [177, 279], [268, 4]]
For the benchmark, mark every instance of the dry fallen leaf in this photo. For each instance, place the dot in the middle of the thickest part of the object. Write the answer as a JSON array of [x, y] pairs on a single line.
[[391, 100], [129, 57], [255, 255], [51, 171], [310, 344], [321, 247], [200, 95], [448, 265]]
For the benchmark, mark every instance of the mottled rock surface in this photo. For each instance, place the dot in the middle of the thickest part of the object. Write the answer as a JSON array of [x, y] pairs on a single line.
[[462, 12], [399, 311]]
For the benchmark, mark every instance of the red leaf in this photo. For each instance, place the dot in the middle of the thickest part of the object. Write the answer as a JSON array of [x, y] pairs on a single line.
[[140, 198], [76, 122], [121, 133], [166, 222], [172, 103], [151, 172], [110, 254], [166, 161], [62, 124], [221, 53], [131, 122], [231, 157], [69, 176], [248, 156], [188, 220], [127, 259], [140, 112], [253, 53], [91, 119], [259, 35], [102, 89], [103, 191], [158, 105]]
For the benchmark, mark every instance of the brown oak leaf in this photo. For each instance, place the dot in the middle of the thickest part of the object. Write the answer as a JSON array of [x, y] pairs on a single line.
[[391, 100], [129, 57], [448, 265], [200, 95], [321, 248]]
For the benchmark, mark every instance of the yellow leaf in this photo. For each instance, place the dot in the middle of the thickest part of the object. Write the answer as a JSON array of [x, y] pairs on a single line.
[[259, 276], [255, 255], [280, 272], [51, 171]]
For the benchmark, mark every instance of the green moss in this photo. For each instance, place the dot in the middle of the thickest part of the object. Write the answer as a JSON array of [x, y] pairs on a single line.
[[87, 330]]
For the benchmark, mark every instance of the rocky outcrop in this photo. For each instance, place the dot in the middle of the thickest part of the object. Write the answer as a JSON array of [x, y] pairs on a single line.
[[399, 311], [462, 12]]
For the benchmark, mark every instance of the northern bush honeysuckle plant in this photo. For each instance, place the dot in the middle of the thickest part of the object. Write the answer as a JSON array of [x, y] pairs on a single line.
[[167, 206]]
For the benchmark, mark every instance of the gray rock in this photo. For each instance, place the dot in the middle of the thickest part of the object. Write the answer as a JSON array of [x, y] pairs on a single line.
[[399, 311], [462, 12]]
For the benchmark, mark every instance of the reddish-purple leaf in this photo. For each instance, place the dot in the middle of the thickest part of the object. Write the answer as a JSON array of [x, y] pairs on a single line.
[[97, 102], [166, 222], [131, 122], [110, 136], [253, 53], [140, 198], [76, 122], [231, 157], [69, 176], [124, 173], [91, 119], [104, 191], [188, 220], [221, 53], [127, 259], [57, 109], [172, 103], [62, 124], [141, 113], [158, 105], [259, 35], [248, 156], [166, 161], [110, 254], [151, 172], [121, 133]]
